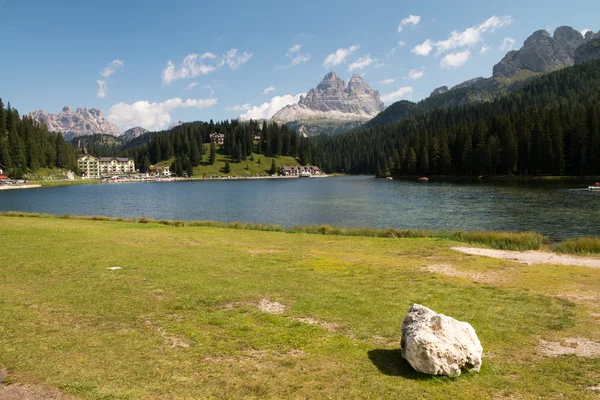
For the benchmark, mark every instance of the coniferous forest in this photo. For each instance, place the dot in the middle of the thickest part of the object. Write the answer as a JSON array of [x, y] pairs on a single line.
[[550, 126], [26, 145], [185, 143]]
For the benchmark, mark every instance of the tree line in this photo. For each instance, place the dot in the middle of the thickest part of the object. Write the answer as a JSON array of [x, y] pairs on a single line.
[[549, 126], [185, 144], [26, 145]]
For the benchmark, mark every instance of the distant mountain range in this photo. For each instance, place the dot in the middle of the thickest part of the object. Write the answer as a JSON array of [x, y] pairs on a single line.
[[540, 54], [332, 107], [76, 123]]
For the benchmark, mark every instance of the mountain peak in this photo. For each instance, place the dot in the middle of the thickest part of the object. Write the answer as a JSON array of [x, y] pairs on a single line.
[[76, 123]]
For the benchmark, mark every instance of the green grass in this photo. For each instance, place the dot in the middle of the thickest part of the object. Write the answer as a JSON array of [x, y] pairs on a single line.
[[179, 320], [242, 169], [583, 245], [498, 240]]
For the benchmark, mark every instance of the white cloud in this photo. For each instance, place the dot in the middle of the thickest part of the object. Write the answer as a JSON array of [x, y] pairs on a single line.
[[339, 56], [111, 68], [467, 38], [586, 30], [380, 65], [233, 60], [243, 107], [387, 81], [207, 55], [106, 72], [486, 48], [190, 86], [152, 116], [297, 58], [361, 63], [423, 49], [193, 65], [397, 95], [101, 89], [401, 43], [507, 44], [415, 74], [410, 20], [295, 48], [455, 60], [188, 69], [268, 89], [267, 110]]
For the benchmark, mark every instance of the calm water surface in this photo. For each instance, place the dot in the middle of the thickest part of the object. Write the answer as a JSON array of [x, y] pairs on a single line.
[[557, 210]]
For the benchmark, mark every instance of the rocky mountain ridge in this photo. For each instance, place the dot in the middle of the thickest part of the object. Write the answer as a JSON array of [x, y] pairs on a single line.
[[76, 123], [132, 133], [332, 102], [541, 53]]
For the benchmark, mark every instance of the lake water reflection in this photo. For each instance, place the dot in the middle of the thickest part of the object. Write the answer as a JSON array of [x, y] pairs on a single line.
[[555, 209]]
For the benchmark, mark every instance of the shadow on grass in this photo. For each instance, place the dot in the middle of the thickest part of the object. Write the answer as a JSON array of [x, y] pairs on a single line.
[[390, 362]]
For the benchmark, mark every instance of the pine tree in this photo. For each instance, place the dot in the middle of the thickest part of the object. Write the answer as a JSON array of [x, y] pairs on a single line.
[[411, 161], [213, 153], [227, 168], [273, 169]]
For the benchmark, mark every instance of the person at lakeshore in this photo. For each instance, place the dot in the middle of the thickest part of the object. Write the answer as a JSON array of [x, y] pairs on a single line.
[[597, 184]]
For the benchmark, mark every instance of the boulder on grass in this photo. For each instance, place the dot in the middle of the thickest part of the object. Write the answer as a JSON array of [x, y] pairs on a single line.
[[439, 345]]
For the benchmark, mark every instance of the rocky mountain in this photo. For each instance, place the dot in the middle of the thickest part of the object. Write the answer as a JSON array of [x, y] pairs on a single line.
[[588, 51], [76, 123], [174, 124], [132, 133], [332, 106], [541, 53]]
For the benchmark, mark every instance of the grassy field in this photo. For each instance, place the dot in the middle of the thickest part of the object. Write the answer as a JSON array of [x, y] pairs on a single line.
[[190, 314], [260, 165]]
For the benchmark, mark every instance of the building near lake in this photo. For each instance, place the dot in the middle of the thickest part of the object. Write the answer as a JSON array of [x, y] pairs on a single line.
[[300, 171], [217, 138], [97, 167]]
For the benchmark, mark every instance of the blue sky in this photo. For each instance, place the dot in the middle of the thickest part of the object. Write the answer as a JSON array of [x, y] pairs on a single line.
[[53, 53]]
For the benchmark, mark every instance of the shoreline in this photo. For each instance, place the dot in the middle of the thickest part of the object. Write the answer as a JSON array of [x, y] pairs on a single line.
[[15, 187]]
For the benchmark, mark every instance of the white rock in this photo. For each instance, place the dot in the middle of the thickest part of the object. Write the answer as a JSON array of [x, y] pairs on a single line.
[[439, 345], [114, 268]]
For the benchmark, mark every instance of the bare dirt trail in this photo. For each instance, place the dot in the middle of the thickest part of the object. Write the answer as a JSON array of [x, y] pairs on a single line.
[[532, 257]]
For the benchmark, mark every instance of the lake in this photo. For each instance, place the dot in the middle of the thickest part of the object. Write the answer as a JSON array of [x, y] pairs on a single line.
[[555, 209]]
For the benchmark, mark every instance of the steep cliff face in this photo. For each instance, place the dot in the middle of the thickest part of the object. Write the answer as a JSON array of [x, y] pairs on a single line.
[[80, 122], [588, 51], [541, 53], [331, 103]]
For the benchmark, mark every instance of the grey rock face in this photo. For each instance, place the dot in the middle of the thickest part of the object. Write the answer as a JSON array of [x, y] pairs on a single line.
[[541, 53], [132, 133], [469, 83], [589, 35], [569, 38], [80, 122], [588, 51], [438, 91], [333, 95]]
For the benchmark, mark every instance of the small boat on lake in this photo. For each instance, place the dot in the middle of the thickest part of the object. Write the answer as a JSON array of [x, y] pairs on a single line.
[[594, 188], [423, 179]]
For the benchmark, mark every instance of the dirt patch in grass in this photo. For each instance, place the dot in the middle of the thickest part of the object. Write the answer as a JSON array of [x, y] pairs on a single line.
[[262, 251], [271, 307], [171, 340], [28, 392], [532, 257], [570, 346], [488, 278], [577, 297], [331, 327]]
